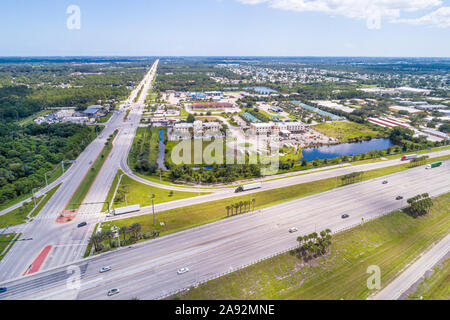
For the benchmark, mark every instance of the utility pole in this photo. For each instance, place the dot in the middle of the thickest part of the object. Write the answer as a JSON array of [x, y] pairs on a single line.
[[62, 164]]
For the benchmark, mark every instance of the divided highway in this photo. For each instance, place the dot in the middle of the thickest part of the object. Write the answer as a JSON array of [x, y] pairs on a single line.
[[69, 242], [149, 270]]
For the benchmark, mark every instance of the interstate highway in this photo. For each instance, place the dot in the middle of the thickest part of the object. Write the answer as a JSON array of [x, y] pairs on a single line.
[[148, 270]]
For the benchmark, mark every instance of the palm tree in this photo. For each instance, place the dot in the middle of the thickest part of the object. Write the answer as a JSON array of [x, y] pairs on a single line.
[[123, 230], [228, 210], [241, 203], [95, 240], [109, 236]]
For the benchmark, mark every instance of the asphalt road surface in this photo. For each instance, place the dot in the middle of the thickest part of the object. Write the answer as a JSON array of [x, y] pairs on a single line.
[[69, 242], [149, 270]]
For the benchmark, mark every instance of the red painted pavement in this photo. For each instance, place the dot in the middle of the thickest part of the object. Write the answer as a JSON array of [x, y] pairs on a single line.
[[37, 263]]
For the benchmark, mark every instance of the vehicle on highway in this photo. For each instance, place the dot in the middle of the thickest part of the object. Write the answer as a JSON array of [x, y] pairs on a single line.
[[82, 224], [113, 292], [247, 187], [433, 165], [105, 269], [409, 157], [183, 270], [2, 289], [399, 198], [345, 216], [385, 181], [293, 229]]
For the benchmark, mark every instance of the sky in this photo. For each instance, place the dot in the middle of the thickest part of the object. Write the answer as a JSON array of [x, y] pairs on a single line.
[[406, 28]]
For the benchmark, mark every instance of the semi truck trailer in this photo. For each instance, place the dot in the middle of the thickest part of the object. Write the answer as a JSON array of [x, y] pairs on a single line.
[[434, 165], [127, 209], [247, 187], [409, 157]]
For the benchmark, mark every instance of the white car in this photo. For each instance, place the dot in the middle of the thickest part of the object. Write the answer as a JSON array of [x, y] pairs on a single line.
[[113, 292], [293, 229], [183, 270], [105, 269]]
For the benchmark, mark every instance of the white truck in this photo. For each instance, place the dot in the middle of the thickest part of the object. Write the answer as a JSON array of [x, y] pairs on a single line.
[[247, 187], [128, 209]]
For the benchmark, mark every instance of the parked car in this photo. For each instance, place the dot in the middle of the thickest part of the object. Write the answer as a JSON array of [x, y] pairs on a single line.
[[105, 269], [293, 229], [2, 289], [183, 270], [399, 198], [82, 224], [113, 292], [385, 181], [345, 216]]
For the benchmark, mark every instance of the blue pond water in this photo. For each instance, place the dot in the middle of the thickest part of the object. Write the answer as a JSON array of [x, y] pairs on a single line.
[[162, 147], [345, 149]]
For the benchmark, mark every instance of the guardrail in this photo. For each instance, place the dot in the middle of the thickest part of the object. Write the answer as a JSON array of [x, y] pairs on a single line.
[[171, 293]]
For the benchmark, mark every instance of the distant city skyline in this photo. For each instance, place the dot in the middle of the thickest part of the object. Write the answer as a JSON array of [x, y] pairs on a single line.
[[360, 28]]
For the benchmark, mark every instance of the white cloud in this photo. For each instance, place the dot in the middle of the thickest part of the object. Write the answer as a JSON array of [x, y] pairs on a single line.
[[361, 9], [439, 18]]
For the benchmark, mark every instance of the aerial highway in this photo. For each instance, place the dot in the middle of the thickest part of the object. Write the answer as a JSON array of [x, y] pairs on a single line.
[[54, 243], [149, 270]]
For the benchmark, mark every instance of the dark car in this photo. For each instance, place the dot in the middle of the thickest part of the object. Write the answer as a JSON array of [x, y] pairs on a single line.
[[385, 181], [82, 224], [399, 198], [2, 289], [345, 216]]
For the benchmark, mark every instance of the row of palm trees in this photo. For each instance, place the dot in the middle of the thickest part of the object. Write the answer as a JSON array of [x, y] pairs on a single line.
[[97, 239], [236, 208], [419, 205], [314, 244]]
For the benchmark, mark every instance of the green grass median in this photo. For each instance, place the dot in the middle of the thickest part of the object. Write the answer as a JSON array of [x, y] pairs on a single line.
[[390, 242], [6, 243], [89, 178], [190, 216]]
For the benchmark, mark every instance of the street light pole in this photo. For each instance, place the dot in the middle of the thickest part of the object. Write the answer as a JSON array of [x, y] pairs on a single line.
[[34, 196], [153, 209]]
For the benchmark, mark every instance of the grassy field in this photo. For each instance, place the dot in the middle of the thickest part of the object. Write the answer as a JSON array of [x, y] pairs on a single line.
[[146, 140], [5, 240], [139, 193], [110, 195], [345, 131], [105, 118], [30, 119], [187, 217], [436, 286], [90, 176], [19, 215], [389, 242]]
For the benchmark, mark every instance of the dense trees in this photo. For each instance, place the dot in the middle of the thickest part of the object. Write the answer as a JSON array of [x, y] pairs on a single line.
[[27, 153]]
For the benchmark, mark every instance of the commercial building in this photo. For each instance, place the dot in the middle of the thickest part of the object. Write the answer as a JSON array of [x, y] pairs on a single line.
[[211, 105]]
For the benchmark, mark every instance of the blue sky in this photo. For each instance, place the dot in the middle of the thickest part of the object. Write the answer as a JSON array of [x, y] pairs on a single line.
[[227, 27]]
